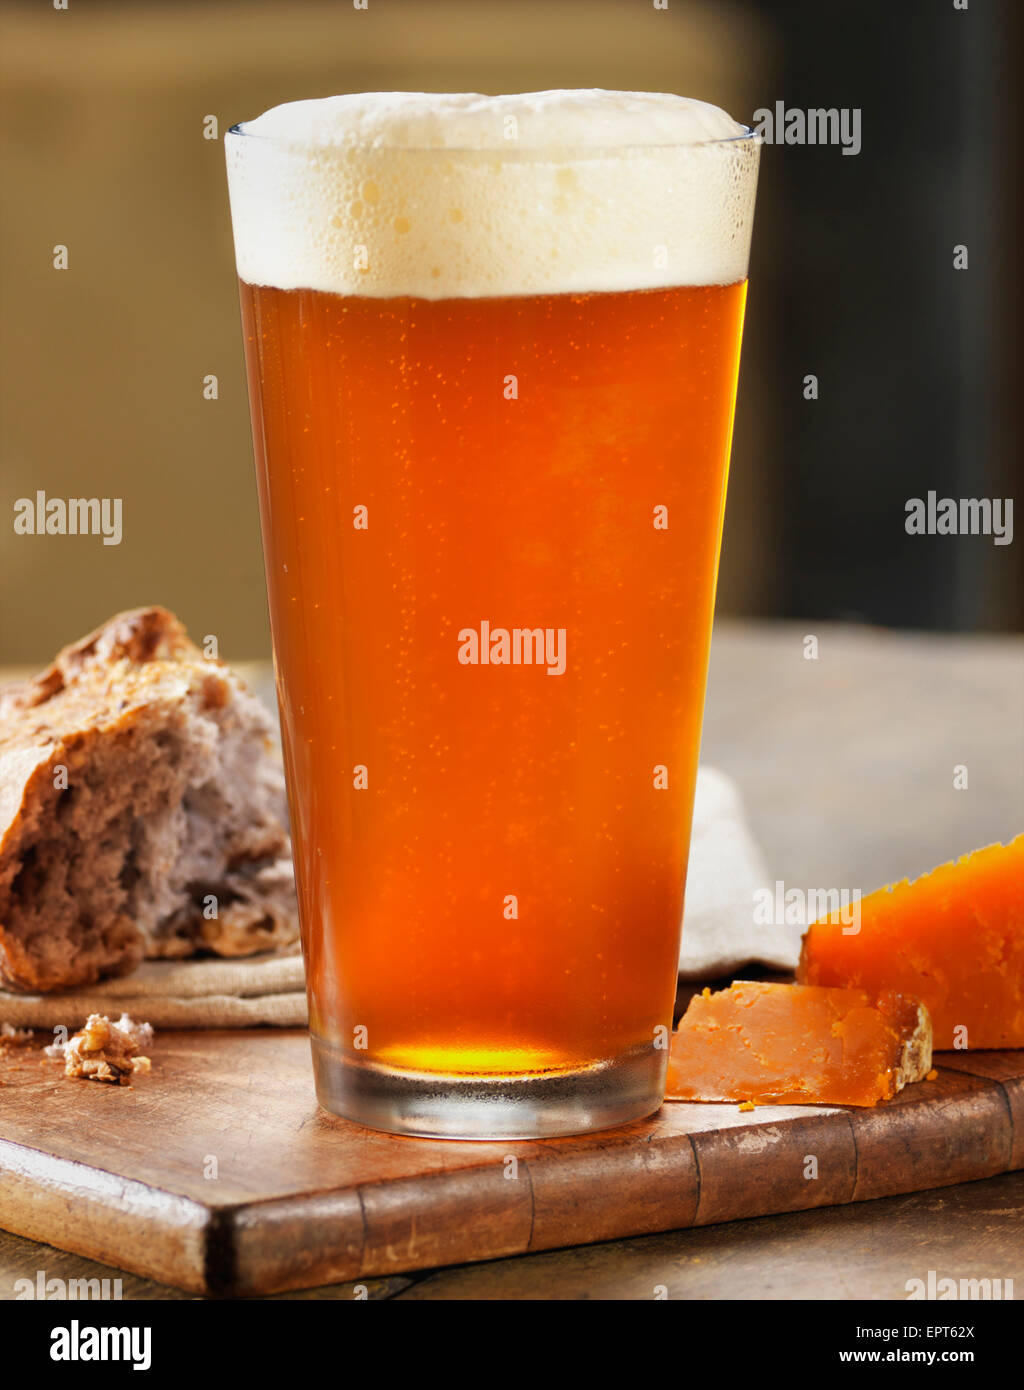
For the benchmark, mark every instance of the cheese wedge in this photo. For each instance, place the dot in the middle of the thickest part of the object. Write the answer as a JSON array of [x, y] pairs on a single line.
[[776, 1044], [953, 938]]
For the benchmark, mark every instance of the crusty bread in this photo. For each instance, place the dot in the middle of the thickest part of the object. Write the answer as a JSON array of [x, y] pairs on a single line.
[[171, 835]]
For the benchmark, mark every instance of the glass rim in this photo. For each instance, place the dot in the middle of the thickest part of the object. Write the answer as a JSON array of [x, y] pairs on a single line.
[[747, 136]]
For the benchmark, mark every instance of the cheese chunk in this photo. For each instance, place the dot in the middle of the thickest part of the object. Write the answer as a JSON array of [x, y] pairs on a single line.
[[797, 1044], [953, 938]]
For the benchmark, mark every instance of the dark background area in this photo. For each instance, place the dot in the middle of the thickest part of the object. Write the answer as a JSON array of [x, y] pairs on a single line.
[[851, 279], [915, 359]]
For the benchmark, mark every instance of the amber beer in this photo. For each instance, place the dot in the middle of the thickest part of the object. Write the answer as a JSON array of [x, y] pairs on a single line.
[[491, 526]]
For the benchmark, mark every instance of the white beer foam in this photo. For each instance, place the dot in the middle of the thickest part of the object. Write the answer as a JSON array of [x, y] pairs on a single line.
[[461, 196]]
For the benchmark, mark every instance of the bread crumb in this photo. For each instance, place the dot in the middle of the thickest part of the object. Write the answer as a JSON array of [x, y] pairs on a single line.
[[105, 1051], [933, 1075], [747, 1105], [14, 1036]]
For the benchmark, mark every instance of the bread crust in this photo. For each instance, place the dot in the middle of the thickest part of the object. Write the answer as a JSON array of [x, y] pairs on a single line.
[[142, 810]]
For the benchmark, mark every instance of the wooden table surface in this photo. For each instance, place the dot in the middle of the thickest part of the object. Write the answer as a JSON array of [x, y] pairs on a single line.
[[847, 766]]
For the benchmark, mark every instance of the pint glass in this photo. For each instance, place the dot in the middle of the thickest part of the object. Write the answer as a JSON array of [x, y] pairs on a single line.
[[492, 383]]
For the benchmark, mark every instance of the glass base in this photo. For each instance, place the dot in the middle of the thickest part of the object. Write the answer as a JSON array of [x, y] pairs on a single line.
[[534, 1106]]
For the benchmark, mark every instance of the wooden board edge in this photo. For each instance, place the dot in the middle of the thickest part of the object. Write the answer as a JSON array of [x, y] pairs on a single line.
[[1008, 1076], [118, 1221], [673, 1182], [916, 1144], [669, 1180]]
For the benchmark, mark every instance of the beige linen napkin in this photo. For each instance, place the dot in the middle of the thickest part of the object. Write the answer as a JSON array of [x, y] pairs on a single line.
[[177, 994], [719, 936]]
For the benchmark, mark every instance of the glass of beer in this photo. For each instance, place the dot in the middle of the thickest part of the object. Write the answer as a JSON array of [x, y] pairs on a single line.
[[492, 350]]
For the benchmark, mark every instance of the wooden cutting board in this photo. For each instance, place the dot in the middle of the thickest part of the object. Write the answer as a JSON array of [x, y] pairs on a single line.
[[218, 1173]]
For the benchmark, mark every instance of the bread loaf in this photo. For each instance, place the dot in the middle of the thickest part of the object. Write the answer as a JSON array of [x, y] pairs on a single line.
[[142, 811]]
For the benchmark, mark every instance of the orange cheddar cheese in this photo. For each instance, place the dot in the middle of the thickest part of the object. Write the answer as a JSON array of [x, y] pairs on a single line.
[[953, 938], [797, 1044]]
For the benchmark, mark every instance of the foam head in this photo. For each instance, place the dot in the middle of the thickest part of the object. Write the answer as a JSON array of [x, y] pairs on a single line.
[[458, 196]]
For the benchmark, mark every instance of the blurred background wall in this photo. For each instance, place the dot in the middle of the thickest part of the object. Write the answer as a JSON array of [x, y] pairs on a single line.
[[102, 365]]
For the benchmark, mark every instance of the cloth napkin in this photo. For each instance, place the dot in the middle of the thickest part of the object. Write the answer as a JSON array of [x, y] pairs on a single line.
[[720, 936], [200, 993]]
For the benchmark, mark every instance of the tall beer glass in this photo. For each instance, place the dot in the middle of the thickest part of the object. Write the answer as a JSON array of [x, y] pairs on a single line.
[[492, 349]]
